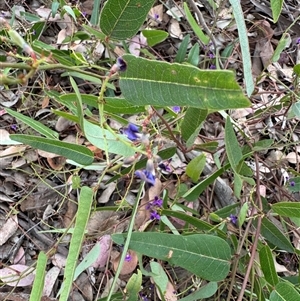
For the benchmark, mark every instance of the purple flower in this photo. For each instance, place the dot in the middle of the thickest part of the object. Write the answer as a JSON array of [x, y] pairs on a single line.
[[211, 55], [14, 127], [121, 64], [128, 257], [154, 215], [156, 16], [176, 109], [292, 183], [298, 41], [157, 202], [148, 174], [212, 66], [233, 218], [132, 132]]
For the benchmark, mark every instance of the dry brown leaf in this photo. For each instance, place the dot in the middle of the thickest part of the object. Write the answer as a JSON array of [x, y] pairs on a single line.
[[8, 229], [129, 264]]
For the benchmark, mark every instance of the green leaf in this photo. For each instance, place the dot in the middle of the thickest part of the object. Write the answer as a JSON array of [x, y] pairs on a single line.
[[154, 36], [276, 7], [296, 184], [157, 83], [121, 19], [233, 149], [282, 44], [133, 286], [294, 110], [288, 209], [206, 256], [243, 37], [203, 292], [284, 292], [195, 167], [296, 70], [69, 10], [36, 125], [195, 191], [86, 77], [95, 13], [197, 30], [181, 53], [38, 284], [88, 260], [267, 265], [238, 185], [84, 209], [98, 34], [275, 236], [78, 101], [243, 214], [77, 153], [160, 278], [111, 105], [192, 123], [104, 139], [194, 55]]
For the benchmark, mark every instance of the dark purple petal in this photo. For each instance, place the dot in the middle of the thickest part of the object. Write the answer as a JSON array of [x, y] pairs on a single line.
[[292, 183], [128, 257], [154, 215], [121, 64], [132, 132], [233, 218]]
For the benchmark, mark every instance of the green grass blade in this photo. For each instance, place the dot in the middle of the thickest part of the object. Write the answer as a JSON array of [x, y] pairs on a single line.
[[242, 30], [38, 284], [82, 217]]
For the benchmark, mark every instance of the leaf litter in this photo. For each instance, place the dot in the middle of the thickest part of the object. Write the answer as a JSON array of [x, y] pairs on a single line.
[[32, 183]]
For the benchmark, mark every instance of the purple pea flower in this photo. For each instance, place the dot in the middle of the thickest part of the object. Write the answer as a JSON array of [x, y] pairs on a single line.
[[121, 64], [211, 55], [148, 174], [292, 183], [298, 41], [176, 109], [212, 66], [128, 257], [132, 132], [154, 215], [233, 218]]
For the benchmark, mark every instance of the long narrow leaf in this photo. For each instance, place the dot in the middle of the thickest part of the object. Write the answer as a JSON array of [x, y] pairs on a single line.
[[36, 125], [38, 284], [77, 153], [82, 217], [242, 30]]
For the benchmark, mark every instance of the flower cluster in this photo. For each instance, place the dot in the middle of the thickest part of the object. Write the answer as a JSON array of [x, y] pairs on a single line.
[[153, 207]]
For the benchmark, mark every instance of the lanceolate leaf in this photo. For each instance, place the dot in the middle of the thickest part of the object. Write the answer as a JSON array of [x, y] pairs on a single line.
[[276, 6], [243, 37], [267, 265], [207, 256], [156, 83], [77, 153], [275, 236], [36, 125], [288, 209], [121, 19], [233, 149]]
